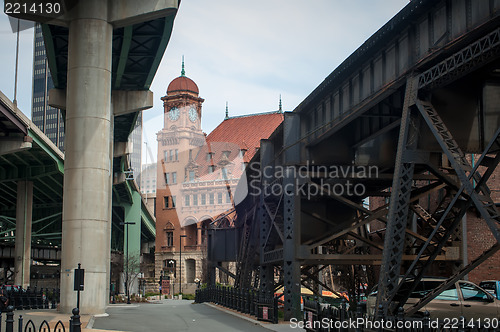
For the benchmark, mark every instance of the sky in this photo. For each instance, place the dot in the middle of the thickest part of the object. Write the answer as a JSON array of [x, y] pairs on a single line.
[[246, 53]]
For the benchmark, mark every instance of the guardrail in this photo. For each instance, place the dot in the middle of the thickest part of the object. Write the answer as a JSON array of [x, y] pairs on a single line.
[[75, 324], [248, 301], [25, 299]]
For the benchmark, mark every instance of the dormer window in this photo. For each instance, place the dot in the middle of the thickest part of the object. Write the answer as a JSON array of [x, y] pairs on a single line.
[[211, 169], [242, 152], [210, 156]]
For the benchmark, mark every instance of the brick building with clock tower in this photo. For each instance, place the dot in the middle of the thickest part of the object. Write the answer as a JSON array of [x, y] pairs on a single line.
[[197, 176], [178, 143]]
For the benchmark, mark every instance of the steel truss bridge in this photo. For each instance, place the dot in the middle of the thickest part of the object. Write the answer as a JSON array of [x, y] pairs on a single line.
[[415, 100]]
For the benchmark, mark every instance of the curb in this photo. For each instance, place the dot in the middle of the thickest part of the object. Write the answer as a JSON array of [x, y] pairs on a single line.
[[90, 324], [265, 325]]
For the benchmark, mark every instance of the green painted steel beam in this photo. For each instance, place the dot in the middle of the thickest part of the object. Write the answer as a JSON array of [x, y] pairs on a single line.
[[40, 190], [127, 40], [148, 222], [31, 174], [57, 182], [58, 214], [55, 235], [8, 161], [167, 32], [37, 231], [58, 160], [21, 160], [55, 192]]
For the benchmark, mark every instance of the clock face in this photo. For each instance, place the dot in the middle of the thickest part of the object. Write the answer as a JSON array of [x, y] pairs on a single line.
[[193, 115], [173, 114]]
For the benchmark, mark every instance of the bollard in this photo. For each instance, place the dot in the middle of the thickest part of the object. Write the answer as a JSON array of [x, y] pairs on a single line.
[[39, 304], [427, 322], [400, 317], [247, 301], [343, 312], [9, 322], [239, 307], [461, 324], [275, 310], [53, 299], [46, 299], [75, 320], [252, 311], [20, 324], [379, 315], [359, 314]]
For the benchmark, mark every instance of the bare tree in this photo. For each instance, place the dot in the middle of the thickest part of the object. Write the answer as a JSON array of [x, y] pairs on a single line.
[[132, 270]]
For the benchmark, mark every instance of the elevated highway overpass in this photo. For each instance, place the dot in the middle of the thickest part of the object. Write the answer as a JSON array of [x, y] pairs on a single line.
[[29, 159], [103, 56]]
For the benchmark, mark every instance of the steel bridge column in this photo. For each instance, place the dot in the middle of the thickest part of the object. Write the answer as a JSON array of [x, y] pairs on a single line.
[[400, 197], [210, 262], [266, 271], [24, 211], [292, 216], [87, 168]]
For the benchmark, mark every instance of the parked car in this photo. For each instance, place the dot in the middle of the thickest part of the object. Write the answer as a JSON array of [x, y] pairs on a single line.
[[11, 288], [464, 298], [492, 286]]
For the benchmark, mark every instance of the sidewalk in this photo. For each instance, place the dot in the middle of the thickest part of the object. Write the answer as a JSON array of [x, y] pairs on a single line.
[[280, 327], [37, 316]]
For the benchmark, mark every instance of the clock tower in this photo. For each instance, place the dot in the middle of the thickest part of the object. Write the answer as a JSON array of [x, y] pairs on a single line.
[[182, 105], [178, 144]]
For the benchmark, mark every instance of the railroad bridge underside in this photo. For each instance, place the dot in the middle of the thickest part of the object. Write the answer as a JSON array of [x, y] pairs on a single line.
[[410, 123]]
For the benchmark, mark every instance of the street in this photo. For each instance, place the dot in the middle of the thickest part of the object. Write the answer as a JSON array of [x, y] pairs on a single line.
[[172, 315]]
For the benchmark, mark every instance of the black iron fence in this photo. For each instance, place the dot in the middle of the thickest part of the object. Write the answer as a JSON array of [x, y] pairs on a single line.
[[75, 324], [325, 317], [248, 301], [25, 299]]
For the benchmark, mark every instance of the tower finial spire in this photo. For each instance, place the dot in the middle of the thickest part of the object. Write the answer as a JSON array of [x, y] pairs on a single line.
[[227, 112], [280, 108], [183, 72]]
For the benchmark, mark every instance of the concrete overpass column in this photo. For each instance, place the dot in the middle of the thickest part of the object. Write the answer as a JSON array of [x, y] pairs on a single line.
[[24, 210], [87, 169]]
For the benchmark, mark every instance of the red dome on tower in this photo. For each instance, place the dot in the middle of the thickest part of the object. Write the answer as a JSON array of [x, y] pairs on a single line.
[[182, 83]]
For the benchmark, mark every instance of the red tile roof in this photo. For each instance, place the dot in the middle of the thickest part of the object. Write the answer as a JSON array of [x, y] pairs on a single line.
[[233, 135], [246, 131]]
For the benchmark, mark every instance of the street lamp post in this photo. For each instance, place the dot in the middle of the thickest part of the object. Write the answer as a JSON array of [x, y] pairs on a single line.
[[127, 291], [144, 171], [180, 262]]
